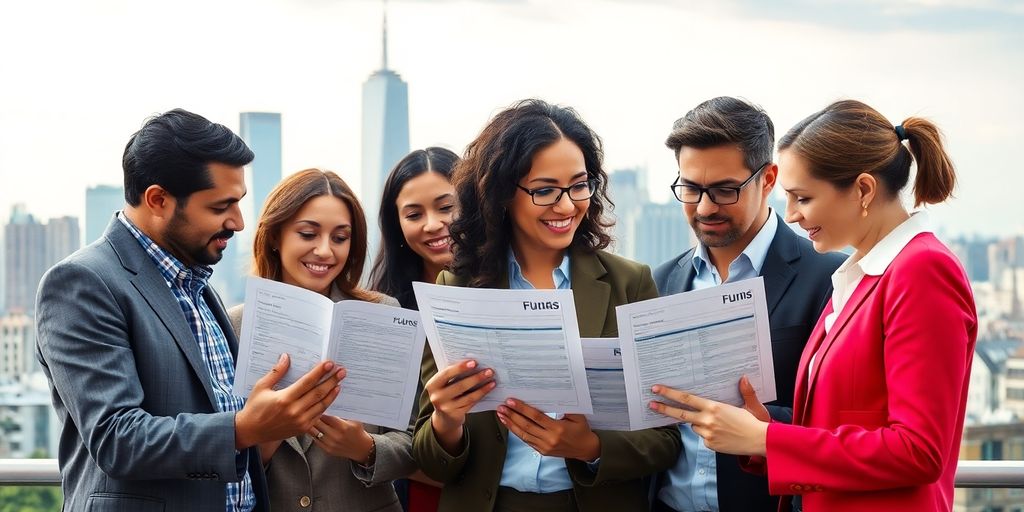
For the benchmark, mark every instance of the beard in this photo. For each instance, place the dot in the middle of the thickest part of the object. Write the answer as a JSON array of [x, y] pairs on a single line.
[[188, 247], [715, 239]]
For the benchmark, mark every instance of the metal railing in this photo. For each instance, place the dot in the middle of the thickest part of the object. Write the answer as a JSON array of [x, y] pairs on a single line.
[[969, 473]]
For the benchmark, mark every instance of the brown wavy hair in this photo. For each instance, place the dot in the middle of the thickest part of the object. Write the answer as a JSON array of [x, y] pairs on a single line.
[[486, 178], [284, 202], [848, 138]]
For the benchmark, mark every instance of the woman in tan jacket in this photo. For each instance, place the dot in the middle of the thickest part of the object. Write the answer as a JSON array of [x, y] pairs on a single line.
[[312, 234]]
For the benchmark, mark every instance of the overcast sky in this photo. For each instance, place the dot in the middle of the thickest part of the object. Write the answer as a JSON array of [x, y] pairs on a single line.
[[77, 77]]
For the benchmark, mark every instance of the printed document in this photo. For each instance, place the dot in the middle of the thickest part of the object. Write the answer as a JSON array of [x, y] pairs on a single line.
[[380, 347], [603, 359], [530, 339], [700, 342]]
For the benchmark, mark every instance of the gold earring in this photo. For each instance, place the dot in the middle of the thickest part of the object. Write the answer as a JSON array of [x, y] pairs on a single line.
[[864, 213]]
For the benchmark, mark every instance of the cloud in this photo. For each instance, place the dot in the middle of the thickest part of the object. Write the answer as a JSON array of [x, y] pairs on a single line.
[[1003, 16]]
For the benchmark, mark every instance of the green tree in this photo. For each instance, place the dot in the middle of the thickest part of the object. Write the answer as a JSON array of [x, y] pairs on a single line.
[[30, 499]]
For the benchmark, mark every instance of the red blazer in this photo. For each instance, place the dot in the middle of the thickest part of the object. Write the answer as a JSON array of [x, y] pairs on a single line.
[[877, 425]]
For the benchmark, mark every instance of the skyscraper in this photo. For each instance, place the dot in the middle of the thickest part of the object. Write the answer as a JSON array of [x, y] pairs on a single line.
[[628, 190], [661, 233], [63, 237], [24, 254], [261, 131], [101, 202], [385, 133], [17, 344]]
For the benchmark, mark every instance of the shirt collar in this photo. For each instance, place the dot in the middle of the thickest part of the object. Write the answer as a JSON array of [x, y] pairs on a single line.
[[171, 268], [560, 275], [881, 255], [756, 251]]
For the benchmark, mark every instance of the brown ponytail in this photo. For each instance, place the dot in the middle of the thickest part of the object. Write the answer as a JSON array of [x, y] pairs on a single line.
[[935, 175], [848, 138]]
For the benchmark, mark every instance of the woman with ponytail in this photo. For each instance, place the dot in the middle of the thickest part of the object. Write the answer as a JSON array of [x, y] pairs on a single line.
[[882, 384]]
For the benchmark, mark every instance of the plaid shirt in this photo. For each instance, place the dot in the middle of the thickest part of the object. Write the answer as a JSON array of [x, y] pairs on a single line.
[[187, 284]]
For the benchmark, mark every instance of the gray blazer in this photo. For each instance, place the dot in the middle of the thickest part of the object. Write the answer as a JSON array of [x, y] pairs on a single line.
[[797, 285], [140, 428], [299, 468]]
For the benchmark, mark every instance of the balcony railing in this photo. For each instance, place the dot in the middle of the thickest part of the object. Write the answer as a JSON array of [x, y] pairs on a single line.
[[969, 473]]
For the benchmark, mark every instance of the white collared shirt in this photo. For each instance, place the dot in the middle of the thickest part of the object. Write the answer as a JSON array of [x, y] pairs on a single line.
[[852, 271], [848, 276]]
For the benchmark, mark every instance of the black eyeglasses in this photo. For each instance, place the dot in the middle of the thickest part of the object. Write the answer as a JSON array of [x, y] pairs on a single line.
[[547, 196], [692, 194]]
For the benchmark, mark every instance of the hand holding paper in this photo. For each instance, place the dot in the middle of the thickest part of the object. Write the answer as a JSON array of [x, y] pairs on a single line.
[[272, 415], [725, 428], [453, 392], [568, 437]]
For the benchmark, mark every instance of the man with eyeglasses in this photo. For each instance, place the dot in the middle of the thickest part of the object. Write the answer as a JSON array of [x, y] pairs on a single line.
[[723, 148]]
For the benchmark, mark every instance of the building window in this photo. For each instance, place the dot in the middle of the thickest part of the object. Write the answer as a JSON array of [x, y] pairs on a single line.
[[1015, 393], [992, 450], [1015, 373]]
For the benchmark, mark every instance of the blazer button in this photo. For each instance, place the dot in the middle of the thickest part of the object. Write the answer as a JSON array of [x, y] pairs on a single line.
[[796, 487], [304, 501]]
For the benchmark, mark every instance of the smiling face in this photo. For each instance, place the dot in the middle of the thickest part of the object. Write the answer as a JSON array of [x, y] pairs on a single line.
[[314, 244], [198, 232], [549, 228], [831, 217], [718, 225], [425, 206]]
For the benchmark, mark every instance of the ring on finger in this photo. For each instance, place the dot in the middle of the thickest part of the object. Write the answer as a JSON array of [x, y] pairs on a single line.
[[319, 435]]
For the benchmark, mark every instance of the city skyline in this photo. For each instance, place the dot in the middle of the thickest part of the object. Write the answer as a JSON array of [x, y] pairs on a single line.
[[634, 68]]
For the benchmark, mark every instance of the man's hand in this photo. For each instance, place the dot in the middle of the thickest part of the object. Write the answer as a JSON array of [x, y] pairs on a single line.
[[271, 415]]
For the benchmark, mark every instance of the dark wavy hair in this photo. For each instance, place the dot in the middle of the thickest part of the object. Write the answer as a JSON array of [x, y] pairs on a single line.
[[173, 150], [486, 178], [396, 265]]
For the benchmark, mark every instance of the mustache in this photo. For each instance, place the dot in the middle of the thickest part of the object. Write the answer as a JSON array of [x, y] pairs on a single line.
[[227, 233], [710, 218]]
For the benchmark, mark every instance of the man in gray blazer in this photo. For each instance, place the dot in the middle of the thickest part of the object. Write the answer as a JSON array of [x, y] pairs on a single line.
[[139, 351], [724, 151]]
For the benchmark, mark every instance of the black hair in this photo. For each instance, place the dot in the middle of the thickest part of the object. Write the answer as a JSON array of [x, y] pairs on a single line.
[[396, 265], [173, 149]]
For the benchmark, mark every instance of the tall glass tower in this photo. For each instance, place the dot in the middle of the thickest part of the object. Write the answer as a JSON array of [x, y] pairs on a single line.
[[101, 202], [385, 134], [261, 131]]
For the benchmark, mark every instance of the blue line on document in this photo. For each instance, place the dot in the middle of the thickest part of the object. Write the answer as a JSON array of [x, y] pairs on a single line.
[[500, 327], [694, 328]]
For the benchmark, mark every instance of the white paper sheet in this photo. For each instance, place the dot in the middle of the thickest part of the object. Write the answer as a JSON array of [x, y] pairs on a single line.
[[701, 342], [380, 347], [530, 339], [603, 359]]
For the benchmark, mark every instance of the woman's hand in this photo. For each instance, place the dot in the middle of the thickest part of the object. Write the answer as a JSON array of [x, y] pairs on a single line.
[[569, 437], [453, 392], [725, 428], [343, 438]]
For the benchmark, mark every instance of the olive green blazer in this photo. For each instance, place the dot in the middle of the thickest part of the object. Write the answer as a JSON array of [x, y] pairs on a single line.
[[600, 282]]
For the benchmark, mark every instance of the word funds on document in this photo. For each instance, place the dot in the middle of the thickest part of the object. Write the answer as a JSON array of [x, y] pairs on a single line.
[[700, 342], [380, 347], [530, 339]]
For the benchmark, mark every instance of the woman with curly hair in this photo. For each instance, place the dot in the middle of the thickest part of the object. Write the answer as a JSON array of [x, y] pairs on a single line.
[[532, 192]]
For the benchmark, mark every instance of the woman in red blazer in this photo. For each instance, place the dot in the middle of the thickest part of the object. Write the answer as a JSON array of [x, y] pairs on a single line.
[[882, 385]]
